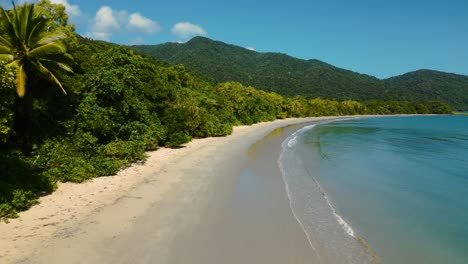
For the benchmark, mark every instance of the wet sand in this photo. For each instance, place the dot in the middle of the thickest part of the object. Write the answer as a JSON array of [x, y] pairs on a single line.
[[204, 203], [251, 221]]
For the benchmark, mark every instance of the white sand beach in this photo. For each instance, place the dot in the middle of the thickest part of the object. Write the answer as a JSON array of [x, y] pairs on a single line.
[[89, 222]]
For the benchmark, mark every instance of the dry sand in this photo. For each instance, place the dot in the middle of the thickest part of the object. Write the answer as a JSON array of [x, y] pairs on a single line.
[[137, 215]]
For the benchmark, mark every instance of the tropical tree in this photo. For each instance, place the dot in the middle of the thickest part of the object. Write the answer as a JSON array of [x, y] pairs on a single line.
[[7, 99], [28, 44]]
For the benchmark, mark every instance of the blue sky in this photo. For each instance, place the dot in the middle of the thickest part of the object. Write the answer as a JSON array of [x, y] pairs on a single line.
[[380, 38]]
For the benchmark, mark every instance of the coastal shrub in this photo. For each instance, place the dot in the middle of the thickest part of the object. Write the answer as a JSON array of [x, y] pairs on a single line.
[[20, 183], [7, 95], [296, 106], [181, 117], [150, 132], [422, 109], [67, 159], [7, 211], [436, 107], [249, 105], [129, 151], [211, 126], [350, 107], [178, 138], [80, 157], [16, 200], [106, 166], [405, 107], [23, 199]]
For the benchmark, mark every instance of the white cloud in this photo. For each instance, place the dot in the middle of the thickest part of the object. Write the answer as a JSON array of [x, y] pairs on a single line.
[[105, 20], [109, 21], [72, 10], [99, 35], [186, 30], [141, 23], [250, 48], [105, 23]]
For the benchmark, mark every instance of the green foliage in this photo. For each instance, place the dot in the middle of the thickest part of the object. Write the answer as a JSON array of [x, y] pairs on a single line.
[[29, 43], [6, 103], [426, 85], [17, 200], [248, 104], [296, 106], [275, 72], [67, 159], [436, 107], [178, 138], [20, 183], [290, 76]]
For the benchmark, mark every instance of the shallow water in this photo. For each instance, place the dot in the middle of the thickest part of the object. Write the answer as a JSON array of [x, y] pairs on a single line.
[[326, 231], [399, 183]]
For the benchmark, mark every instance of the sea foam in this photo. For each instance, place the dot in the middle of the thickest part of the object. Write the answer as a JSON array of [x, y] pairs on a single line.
[[291, 143], [324, 228], [346, 227]]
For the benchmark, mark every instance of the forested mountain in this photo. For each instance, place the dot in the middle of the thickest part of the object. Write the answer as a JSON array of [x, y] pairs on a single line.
[[291, 76], [275, 72], [431, 85]]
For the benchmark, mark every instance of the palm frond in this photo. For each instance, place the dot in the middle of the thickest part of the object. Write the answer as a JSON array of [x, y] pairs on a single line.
[[64, 58], [37, 32], [47, 50], [14, 64], [56, 66], [65, 67], [49, 38], [30, 23], [6, 57], [8, 36], [23, 19], [4, 42], [68, 58], [20, 81], [15, 23], [3, 19], [49, 74], [5, 49]]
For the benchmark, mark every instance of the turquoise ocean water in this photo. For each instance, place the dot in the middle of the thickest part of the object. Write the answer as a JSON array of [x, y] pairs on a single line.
[[399, 183]]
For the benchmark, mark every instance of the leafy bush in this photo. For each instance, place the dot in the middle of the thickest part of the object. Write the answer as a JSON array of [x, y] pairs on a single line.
[[7, 95], [20, 183], [129, 151], [178, 138]]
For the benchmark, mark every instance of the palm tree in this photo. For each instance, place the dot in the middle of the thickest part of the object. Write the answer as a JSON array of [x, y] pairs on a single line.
[[27, 44]]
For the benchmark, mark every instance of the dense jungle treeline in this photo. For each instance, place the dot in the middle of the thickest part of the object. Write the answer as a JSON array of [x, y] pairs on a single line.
[[119, 105], [291, 76]]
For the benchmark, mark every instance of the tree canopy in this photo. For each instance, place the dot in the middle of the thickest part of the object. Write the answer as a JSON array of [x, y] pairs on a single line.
[[29, 42], [291, 76]]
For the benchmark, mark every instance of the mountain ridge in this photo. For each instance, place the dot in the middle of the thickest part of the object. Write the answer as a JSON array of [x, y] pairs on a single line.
[[290, 76]]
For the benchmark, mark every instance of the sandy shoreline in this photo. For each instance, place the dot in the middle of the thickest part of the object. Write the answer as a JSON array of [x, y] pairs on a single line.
[[82, 213]]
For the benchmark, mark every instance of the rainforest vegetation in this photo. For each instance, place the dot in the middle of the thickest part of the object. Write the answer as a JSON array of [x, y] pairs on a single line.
[[291, 76], [72, 108]]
